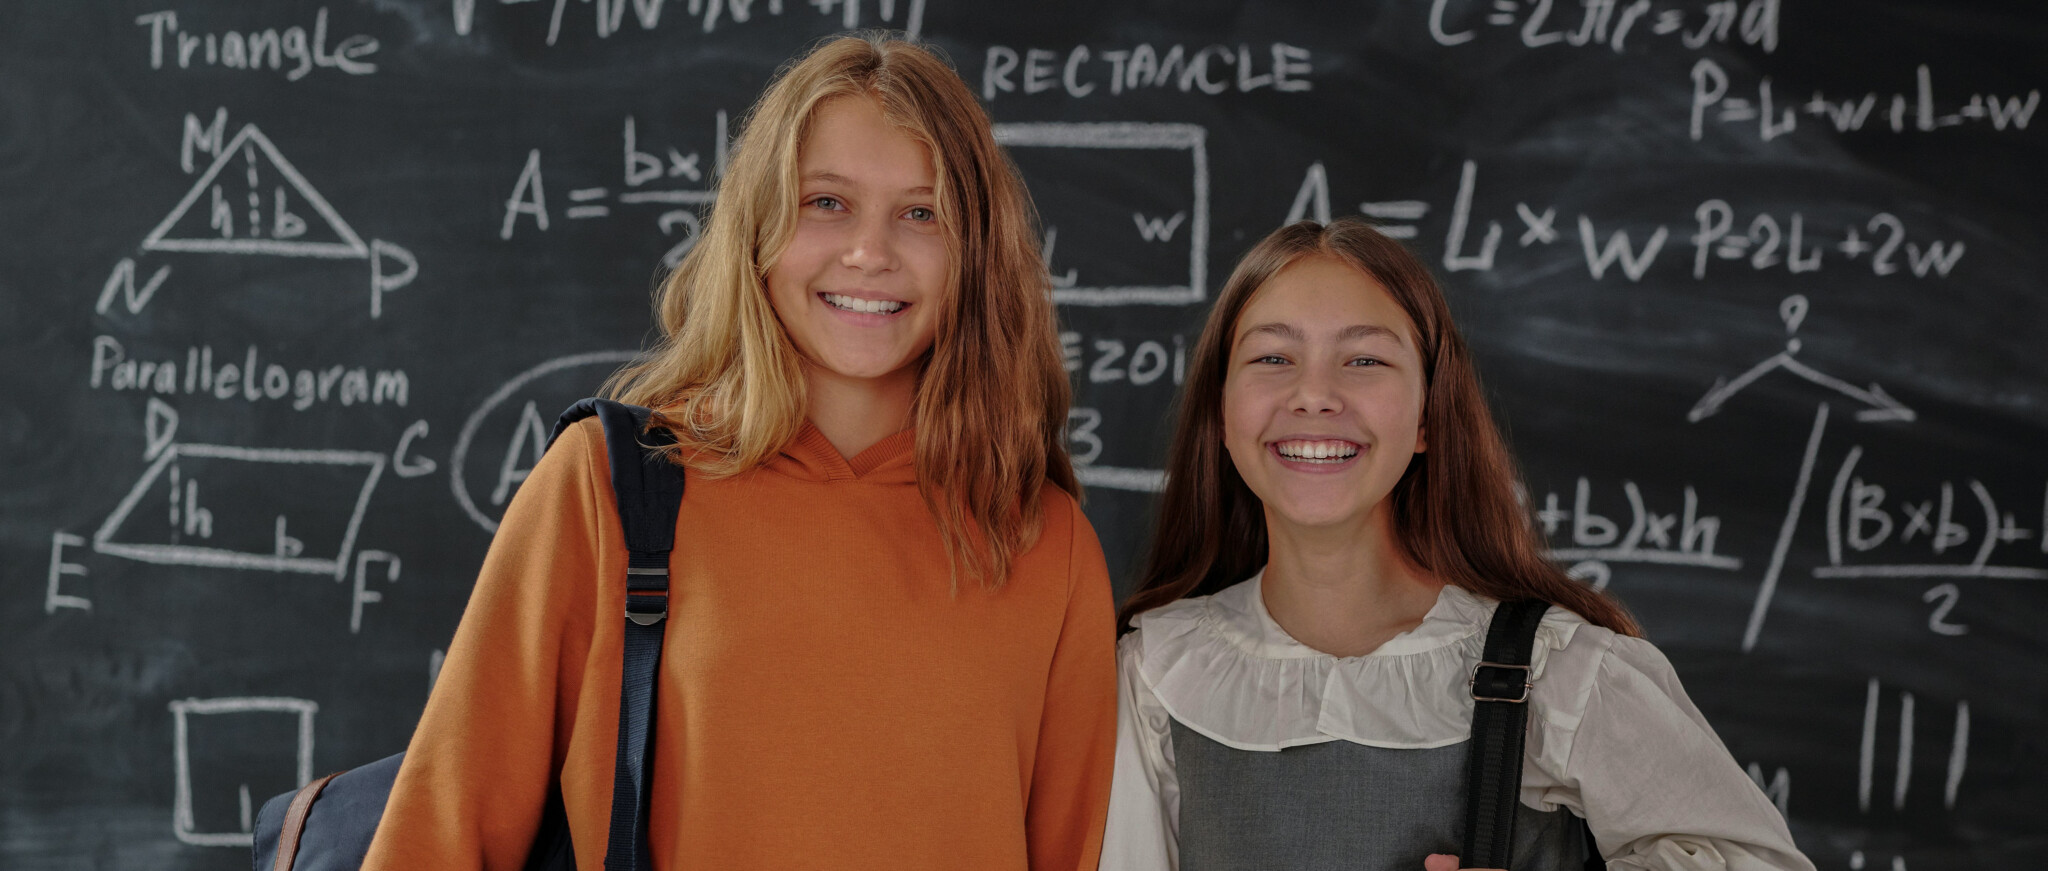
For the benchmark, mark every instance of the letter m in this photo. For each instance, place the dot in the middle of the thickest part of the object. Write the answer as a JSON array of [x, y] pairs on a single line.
[[392, 386], [207, 139]]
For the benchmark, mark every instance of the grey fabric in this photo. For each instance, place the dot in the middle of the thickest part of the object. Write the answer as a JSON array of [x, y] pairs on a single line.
[[1339, 805]]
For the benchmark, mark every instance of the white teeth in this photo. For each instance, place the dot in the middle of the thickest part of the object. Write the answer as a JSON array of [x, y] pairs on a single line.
[[1323, 452], [864, 306]]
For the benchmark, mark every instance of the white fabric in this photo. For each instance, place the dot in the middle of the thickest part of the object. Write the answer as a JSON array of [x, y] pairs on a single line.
[[1612, 735]]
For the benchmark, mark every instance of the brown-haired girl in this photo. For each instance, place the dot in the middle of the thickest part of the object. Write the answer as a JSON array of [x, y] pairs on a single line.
[[1339, 523], [890, 641]]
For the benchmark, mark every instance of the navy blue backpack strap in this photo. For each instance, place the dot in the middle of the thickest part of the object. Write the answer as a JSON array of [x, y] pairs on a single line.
[[328, 825], [649, 487], [1500, 713]]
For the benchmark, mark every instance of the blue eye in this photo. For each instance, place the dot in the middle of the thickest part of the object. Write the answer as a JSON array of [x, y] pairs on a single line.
[[923, 214], [830, 204]]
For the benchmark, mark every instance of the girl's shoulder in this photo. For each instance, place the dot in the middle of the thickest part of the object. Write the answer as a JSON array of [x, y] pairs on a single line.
[[1222, 667]]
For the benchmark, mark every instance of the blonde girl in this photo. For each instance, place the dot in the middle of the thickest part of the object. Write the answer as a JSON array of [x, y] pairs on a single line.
[[1338, 526], [890, 636]]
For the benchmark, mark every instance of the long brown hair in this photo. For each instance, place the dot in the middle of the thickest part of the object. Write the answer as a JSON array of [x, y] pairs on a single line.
[[1455, 511], [992, 393]]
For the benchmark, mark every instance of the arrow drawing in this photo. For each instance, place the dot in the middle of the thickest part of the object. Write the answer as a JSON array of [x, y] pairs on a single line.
[[1882, 406]]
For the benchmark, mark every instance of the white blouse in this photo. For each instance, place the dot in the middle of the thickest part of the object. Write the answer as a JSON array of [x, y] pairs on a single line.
[[1612, 736]]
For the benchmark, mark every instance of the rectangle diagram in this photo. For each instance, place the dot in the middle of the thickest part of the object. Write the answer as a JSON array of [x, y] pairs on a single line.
[[270, 509], [248, 748], [1125, 207]]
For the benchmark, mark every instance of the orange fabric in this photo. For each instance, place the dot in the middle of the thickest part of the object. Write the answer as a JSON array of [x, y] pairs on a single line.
[[825, 701]]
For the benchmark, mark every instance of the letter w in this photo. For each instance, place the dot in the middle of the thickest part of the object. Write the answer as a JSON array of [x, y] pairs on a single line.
[[1937, 257], [1632, 264], [2012, 111], [1157, 230]]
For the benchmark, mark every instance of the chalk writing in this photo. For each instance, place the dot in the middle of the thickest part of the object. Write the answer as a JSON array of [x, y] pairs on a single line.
[[1778, 789], [290, 50], [251, 379], [246, 718], [281, 230], [610, 17], [1084, 442], [1111, 361], [1608, 23], [1921, 111], [1681, 537], [185, 535], [277, 199], [1088, 148], [640, 167], [1792, 310], [1766, 241], [1902, 775], [363, 595], [54, 597], [1080, 71], [457, 461], [1967, 521], [1313, 201]]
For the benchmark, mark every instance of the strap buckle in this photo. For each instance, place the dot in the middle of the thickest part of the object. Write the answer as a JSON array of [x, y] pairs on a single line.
[[1497, 682], [646, 602]]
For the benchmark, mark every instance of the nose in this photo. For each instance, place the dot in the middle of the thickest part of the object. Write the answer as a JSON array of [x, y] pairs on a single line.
[[1315, 393], [872, 246]]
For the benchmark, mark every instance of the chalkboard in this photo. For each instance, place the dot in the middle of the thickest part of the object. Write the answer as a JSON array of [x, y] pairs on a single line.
[[291, 290]]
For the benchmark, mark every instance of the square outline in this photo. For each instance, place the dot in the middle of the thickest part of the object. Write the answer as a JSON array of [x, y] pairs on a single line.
[[181, 709]]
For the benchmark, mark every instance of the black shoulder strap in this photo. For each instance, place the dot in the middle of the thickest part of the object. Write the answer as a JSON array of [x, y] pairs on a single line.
[[1500, 713], [649, 488]]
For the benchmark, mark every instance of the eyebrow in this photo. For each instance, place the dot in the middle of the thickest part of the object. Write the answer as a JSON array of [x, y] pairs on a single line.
[[1293, 333], [835, 178]]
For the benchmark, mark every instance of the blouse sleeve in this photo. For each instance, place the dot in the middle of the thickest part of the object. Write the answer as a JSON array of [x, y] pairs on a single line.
[[1144, 794], [475, 778], [1657, 786], [1070, 772]]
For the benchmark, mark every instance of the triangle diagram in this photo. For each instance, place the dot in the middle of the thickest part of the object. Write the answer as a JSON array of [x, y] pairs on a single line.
[[253, 201]]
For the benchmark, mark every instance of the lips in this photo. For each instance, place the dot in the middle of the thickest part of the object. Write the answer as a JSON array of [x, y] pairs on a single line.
[[1315, 452], [863, 305]]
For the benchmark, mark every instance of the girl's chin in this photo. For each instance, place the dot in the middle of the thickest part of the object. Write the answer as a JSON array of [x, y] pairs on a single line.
[[865, 367], [1318, 517]]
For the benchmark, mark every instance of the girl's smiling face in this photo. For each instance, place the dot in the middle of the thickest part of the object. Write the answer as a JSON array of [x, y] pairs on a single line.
[[1323, 397], [867, 271]]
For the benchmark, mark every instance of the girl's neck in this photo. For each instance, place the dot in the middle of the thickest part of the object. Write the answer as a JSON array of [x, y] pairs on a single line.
[[1343, 591], [855, 413]]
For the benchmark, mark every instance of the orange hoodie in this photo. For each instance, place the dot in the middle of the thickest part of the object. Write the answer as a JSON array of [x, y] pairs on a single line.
[[824, 701]]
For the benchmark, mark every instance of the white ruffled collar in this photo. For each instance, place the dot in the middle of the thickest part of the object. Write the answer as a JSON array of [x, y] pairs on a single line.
[[1222, 666]]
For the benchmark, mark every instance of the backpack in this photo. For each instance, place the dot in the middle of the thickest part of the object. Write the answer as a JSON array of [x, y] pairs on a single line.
[[328, 824], [1500, 711]]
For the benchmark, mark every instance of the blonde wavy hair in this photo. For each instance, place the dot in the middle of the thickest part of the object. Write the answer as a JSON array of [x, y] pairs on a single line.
[[992, 394]]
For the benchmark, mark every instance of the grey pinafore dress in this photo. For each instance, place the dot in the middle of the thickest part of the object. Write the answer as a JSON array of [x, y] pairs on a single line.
[[1340, 805]]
